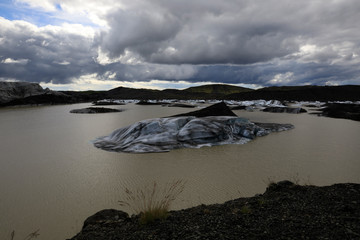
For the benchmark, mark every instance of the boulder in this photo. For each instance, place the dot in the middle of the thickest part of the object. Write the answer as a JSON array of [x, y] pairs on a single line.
[[105, 216]]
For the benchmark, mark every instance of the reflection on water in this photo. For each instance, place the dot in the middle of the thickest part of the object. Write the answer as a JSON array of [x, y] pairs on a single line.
[[52, 178]]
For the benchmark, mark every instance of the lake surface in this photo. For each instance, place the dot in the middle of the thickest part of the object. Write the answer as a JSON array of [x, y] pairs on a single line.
[[52, 177]]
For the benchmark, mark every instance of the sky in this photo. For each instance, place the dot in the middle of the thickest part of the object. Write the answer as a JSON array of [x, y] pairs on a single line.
[[103, 44]]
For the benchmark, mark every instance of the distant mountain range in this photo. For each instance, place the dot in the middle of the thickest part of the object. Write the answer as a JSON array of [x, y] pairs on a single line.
[[230, 92], [30, 93]]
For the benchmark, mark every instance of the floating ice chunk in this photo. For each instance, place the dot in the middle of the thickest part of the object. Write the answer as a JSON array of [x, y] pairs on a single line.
[[165, 134]]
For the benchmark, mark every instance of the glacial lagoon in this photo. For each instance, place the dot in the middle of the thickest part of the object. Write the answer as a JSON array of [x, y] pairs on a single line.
[[52, 177]]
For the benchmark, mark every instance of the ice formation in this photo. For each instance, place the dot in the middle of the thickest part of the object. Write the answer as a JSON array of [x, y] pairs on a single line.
[[165, 134]]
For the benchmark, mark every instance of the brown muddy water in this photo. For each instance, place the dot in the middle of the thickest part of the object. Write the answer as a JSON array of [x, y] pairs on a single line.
[[52, 178]]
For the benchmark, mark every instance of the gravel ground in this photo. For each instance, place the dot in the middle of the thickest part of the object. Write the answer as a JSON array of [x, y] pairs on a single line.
[[284, 211]]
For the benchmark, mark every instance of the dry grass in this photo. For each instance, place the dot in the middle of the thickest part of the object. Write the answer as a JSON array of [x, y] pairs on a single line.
[[153, 202], [32, 235]]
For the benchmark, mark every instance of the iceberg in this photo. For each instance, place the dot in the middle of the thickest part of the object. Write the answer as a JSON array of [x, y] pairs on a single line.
[[165, 134]]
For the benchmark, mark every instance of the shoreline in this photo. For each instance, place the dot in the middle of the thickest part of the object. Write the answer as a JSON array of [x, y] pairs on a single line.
[[284, 211]]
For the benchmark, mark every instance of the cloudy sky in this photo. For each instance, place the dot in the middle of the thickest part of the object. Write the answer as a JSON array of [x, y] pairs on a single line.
[[101, 44]]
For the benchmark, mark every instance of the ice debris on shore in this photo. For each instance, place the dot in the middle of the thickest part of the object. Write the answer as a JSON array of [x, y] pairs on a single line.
[[165, 134]]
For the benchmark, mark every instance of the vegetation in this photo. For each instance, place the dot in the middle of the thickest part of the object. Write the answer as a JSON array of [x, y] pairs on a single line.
[[153, 203], [32, 235], [295, 178], [245, 209]]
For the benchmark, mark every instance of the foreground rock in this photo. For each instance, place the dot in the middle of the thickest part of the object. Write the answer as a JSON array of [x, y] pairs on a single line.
[[94, 110], [284, 211]]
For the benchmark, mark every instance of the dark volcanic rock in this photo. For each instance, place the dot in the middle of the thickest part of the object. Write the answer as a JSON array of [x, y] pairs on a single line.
[[238, 108], [95, 110], [181, 105], [284, 110], [340, 110], [274, 127], [104, 216], [107, 103], [284, 211], [218, 109], [144, 102]]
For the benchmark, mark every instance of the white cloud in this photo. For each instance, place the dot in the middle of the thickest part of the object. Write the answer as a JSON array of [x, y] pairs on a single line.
[[90, 82], [126, 58], [8, 80], [83, 83], [282, 78], [91, 11], [13, 61], [62, 63], [46, 5]]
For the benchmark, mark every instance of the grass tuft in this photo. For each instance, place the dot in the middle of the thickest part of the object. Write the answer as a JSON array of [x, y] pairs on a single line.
[[32, 235], [152, 203], [245, 209]]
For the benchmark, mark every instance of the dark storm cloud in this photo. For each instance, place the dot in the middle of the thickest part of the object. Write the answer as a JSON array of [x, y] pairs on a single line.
[[272, 42], [195, 32], [267, 74], [51, 53], [241, 32]]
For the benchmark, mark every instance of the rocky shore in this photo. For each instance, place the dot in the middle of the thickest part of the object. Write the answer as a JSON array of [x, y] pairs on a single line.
[[285, 211]]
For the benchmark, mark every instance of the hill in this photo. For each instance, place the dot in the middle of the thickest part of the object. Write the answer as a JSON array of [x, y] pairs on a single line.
[[217, 89], [302, 93], [200, 92]]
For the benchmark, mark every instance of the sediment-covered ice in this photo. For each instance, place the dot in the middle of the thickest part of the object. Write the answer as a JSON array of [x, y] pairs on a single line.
[[165, 134]]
